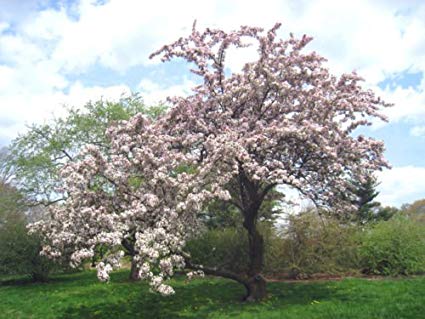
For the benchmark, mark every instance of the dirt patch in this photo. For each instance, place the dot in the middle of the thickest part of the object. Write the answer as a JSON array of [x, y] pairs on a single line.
[[325, 277]]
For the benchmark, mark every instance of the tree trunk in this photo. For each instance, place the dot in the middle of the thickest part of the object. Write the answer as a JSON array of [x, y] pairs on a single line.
[[128, 244], [38, 276], [256, 288], [256, 284], [134, 272], [251, 199]]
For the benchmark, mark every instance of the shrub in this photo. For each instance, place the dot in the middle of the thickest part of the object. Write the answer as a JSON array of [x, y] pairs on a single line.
[[19, 252], [309, 244], [305, 246], [312, 244], [225, 248], [394, 247]]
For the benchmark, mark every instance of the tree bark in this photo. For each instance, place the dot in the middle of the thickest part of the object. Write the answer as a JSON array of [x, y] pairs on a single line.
[[128, 244], [256, 288], [256, 284], [134, 271]]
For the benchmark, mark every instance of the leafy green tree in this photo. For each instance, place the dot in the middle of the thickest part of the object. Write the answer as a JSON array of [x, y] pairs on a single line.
[[5, 172], [37, 156], [416, 210], [386, 213], [11, 202]]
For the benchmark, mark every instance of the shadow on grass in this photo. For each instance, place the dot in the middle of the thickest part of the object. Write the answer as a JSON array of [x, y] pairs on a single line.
[[199, 299], [19, 281], [22, 280]]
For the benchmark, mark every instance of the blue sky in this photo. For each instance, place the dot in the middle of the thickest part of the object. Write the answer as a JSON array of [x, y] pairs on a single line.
[[68, 52]]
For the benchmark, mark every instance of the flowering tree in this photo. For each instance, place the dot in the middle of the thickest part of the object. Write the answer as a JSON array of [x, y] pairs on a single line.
[[283, 120], [34, 159]]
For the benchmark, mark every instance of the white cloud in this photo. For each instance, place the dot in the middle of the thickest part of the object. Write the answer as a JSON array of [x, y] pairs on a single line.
[[375, 38], [16, 50], [418, 131], [121, 34], [21, 110], [409, 104], [362, 35], [154, 93], [401, 185], [3, 26], [79, 94]]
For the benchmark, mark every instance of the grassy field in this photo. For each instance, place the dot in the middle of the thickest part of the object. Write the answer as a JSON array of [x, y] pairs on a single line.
[[80, 295]]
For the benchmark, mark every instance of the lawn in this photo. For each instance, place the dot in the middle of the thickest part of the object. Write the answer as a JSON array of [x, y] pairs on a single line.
[[80, 295]]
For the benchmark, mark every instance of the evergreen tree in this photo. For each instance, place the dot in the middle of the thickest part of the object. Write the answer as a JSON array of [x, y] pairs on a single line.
[[369, 210], [366, 193]]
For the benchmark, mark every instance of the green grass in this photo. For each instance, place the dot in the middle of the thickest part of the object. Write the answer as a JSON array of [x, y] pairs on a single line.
[[80, 295]]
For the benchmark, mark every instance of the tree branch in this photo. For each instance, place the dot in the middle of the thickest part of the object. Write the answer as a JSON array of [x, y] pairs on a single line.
[[216, 272], [266, 190], [45, 203]]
